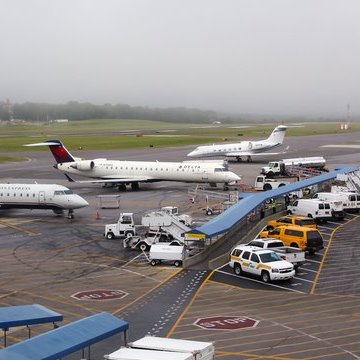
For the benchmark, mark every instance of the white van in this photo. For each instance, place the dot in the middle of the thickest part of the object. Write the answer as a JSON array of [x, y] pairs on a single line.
[[317, 209], [350, 201]]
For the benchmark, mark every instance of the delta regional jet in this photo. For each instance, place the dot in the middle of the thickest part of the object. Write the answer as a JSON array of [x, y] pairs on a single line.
[[121, 173], [40, 196], [244, 148]]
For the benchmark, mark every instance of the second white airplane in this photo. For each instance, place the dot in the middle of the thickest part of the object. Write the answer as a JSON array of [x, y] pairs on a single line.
[[244, 148], [121, 173]]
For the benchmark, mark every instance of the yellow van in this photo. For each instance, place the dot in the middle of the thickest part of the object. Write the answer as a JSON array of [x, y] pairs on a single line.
[[292, 220], [304, 238]]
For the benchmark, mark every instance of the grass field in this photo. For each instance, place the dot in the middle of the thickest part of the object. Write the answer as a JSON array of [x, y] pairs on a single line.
[[106, 134]]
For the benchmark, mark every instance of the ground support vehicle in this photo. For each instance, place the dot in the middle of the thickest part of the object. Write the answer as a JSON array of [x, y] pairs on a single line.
[[124, 227], [263, 183], [304, 238], [261, 262], [288, 253], [317, 209], [157, 224], [350, 201], [292, 220], [199, 349], [144, 243], [289, 167], [167, 252]]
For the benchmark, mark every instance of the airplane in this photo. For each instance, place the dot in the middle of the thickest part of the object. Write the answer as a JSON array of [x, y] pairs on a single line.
[[243, 148], [40, 196], [121, 173]]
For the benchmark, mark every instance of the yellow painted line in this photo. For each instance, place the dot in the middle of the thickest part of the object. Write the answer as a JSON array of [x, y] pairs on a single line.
[[18, 228], [53, 307], [292, 337], [323, 356], [189, 305], [251, 356], [322, 348], [271, 326], [147, 293], [269, 316], [325, 255]]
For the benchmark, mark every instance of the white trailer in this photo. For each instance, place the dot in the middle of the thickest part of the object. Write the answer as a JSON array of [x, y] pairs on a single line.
[[199, 349], [283, 167], [167, 252], [125, 353]]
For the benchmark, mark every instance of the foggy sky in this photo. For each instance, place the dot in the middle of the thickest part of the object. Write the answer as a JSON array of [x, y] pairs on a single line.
[[243, 56]]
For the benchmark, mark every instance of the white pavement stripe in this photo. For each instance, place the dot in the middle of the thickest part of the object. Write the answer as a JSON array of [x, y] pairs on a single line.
[[258, 281]]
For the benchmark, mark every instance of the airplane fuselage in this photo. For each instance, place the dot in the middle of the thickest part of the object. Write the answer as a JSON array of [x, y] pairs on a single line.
[[39, 196], [234, 149], [151, 171]]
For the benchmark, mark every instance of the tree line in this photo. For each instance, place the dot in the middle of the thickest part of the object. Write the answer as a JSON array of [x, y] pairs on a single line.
[[74, 110]]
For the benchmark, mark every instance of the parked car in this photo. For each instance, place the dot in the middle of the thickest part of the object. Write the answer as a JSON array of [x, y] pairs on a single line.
[[292, 220], [261, 262], [304, 238], [316, 209]]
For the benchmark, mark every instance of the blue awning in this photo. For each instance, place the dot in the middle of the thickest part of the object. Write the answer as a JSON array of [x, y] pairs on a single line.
[[229, 218], [67, 339], [24, 315]]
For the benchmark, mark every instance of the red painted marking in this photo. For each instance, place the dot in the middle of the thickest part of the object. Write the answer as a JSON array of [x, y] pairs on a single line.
[[99, 294], [226, 322]]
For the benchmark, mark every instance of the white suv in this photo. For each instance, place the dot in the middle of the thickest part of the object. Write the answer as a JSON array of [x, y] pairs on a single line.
[[261, 262]]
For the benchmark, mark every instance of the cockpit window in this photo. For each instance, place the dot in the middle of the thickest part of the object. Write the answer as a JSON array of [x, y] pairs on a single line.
[[218, 169], [63, 192]]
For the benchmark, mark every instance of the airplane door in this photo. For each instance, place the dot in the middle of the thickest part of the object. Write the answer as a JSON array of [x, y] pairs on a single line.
[[205, 175], [41, 197]]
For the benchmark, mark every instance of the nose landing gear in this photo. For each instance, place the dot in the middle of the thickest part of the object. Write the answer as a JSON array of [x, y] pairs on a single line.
[[70, 214]]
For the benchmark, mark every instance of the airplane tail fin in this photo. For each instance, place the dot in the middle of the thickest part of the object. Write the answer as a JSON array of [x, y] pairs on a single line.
[[278, 134], [59, 151]]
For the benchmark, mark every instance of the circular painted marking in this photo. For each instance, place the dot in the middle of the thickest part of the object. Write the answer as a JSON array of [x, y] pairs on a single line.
[[99, 295], [225, 322]]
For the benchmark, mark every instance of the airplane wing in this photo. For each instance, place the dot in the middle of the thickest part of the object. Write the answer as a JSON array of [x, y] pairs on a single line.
[[111, 180]]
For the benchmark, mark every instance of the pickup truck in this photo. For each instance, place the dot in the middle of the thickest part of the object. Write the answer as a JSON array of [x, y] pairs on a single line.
[[292, 220], [288, 253]]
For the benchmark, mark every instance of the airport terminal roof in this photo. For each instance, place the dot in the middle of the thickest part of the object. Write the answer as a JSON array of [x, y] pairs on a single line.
[[25, 315], [225, 221], [67, 339]]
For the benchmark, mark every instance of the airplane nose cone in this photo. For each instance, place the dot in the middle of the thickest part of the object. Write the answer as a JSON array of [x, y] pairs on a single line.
[[191, 154], [234, 177], [81, 202]]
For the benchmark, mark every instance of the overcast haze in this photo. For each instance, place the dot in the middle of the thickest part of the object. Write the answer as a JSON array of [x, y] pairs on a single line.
[[257, 56]]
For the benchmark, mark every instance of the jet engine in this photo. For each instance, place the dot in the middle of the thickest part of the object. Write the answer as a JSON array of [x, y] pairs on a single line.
[[83, 165]]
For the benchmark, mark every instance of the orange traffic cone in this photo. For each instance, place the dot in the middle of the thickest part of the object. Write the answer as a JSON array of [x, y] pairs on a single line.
[[97, 215]]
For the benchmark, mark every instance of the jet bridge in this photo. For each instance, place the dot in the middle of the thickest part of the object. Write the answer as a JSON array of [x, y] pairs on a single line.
[[234, 215]]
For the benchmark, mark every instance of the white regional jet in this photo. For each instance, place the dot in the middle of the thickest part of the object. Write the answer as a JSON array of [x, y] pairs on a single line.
[[243, 148], [40, 196], [121, 173]]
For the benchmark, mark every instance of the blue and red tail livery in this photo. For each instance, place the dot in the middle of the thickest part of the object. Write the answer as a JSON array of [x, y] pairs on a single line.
[[61, 154]]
